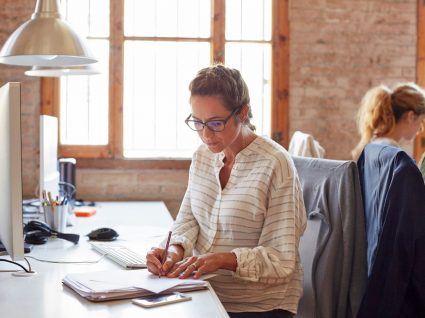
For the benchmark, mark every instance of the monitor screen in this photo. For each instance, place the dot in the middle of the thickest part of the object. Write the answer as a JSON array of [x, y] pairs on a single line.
[[11, 226], [49, 171]]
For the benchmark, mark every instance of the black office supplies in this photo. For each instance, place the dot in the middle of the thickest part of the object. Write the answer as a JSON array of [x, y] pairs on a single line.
[[103, 234], [37, 232]]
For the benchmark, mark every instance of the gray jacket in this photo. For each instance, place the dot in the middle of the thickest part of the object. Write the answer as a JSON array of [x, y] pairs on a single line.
[[333, 248]]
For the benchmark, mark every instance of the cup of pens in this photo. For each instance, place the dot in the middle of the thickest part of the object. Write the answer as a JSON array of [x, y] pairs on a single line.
[[55, 213], [56, 216]]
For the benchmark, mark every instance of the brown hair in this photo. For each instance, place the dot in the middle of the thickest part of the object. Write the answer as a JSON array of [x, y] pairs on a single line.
[[227, 84], [381, 108]]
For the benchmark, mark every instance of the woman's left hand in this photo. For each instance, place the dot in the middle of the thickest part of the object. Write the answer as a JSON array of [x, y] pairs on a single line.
[[203, 264]]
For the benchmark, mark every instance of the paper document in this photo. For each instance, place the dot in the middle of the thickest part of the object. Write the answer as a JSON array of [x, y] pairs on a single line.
[[118, 284]]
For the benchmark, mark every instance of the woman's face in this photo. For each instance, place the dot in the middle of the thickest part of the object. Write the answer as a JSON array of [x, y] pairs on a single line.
[[415, 126], [206, 108]]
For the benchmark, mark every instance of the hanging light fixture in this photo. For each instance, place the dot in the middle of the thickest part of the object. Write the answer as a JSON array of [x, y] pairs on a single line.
[[44, 71], [46, 40]]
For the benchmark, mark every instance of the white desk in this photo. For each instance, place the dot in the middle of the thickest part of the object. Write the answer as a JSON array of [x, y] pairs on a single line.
[[44, 296]]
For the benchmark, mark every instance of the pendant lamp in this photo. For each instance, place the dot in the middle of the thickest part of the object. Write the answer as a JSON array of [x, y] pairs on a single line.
[[44, 71], [46, 40]]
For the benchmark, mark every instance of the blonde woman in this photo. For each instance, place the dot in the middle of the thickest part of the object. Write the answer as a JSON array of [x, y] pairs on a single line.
[[388, 116]]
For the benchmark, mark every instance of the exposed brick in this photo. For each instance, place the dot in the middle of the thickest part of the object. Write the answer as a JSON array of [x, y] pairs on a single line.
[[336, 54], [13, 14], [338, 50], [131, 185]]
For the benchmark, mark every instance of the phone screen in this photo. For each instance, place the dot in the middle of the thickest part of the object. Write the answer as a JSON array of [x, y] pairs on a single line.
[[158, 300]]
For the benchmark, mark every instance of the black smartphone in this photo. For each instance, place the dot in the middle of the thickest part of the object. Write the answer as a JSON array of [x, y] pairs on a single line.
[[159, 300]]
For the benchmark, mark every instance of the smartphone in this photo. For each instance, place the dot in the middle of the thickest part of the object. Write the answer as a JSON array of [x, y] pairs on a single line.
[[159, 300]]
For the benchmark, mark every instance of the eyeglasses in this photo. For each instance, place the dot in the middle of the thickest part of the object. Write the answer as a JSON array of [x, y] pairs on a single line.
[[215, 125]]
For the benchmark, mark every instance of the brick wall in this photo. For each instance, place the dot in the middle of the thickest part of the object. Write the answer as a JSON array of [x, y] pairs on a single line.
[[153, 184], [338, 50], [12, 14]]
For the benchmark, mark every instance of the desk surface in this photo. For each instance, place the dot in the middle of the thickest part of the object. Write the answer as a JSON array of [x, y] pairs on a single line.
[[141, 225]]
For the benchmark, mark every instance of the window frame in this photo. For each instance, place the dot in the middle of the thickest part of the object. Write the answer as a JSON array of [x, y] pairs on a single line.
[[111, 155]]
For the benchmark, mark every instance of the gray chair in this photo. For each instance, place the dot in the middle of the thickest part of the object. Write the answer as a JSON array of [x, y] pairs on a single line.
[[333, 247]]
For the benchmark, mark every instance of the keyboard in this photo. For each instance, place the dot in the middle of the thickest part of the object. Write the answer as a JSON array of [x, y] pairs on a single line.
[[120, 254]]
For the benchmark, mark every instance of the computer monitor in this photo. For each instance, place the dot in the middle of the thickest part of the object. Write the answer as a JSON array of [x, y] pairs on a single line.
[[49, 170], [11, 225]]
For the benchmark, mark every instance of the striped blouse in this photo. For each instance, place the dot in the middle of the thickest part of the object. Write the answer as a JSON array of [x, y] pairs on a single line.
[[259, 216]]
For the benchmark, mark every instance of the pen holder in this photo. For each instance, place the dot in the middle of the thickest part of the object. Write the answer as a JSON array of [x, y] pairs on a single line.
[[56, 216]]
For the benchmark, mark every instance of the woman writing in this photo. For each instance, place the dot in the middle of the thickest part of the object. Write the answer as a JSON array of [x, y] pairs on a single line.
[[243, 214]]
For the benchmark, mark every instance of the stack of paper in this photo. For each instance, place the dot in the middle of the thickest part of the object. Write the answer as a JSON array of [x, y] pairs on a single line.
[[122, 284]]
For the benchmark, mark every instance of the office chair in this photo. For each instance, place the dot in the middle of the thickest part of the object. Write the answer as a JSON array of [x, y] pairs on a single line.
[[333, 247], [394, 204]]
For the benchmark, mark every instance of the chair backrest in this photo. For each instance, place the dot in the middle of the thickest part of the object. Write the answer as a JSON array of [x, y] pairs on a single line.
[[394, 204], [333, 247]]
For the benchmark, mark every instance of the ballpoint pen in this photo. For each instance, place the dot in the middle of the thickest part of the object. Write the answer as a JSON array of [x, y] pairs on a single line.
[[165, 253]]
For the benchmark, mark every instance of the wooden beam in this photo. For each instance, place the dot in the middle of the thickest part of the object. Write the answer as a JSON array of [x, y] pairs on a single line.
[[49, 91], [116, 87], [104, 163], [80, 151], [280, 76], [218, 27]]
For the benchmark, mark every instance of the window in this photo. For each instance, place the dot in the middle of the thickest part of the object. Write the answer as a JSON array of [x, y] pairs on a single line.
[[149, 51], [165, 43], [248, 48]]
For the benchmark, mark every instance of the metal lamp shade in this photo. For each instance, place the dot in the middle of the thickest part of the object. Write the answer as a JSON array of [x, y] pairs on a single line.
[[46, 40], [42, 71]]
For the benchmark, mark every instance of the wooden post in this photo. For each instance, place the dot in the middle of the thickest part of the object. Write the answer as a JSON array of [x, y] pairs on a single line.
[[280, 76]]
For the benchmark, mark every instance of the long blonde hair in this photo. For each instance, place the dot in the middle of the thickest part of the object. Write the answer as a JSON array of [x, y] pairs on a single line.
[[381, 108]]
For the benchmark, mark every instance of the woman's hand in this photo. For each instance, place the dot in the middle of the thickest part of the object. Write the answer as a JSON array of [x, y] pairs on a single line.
[[154, 259], [203, 264]]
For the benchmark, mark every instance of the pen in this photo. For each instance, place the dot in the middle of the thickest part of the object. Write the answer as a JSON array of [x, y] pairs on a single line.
[[50, 198], [164, 254]]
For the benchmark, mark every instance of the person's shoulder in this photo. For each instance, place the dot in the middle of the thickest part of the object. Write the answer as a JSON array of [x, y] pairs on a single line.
[[202, 153], [202, 149], [269, 148], [385, 141], [276, 154]]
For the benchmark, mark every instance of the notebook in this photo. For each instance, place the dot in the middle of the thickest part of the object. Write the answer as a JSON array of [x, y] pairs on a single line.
[[122, 284]]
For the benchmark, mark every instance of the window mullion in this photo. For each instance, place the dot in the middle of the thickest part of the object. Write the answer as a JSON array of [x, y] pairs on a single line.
[[116, 60], [218, 31]]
